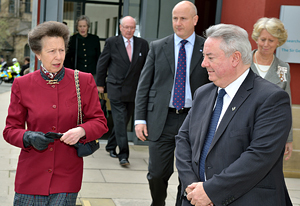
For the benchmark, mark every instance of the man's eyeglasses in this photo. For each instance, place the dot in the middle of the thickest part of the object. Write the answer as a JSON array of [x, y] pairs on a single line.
[[128, 27]]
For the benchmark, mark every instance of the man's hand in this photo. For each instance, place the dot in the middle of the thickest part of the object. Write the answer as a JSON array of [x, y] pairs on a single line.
[[288, 150], [197, 195], [141, 131], [100, 89]]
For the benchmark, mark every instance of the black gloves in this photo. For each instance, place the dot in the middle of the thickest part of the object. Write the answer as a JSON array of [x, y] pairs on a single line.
[[37, 139], [53, 135]]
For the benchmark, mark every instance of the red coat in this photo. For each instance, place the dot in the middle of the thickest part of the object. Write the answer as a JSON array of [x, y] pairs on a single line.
[[51, 108]]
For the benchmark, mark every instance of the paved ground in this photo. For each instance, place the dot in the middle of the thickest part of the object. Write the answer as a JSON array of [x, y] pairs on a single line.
[[5, 87], [105, 182]]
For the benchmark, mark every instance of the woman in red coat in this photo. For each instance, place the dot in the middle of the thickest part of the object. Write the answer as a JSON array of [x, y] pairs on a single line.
[[49, 171]]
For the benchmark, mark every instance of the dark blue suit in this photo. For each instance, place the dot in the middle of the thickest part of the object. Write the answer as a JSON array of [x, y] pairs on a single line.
[[244, 163]]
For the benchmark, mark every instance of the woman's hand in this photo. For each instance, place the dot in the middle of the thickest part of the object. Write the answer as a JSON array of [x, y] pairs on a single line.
[[72, 136]]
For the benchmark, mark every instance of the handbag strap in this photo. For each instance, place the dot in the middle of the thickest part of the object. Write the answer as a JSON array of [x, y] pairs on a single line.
[[76, 48], [79, 117]]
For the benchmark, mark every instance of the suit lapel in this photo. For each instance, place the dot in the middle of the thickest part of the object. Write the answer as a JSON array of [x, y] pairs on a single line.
[[136, 49], [168, 49], [197, 54], [211, 98], [272, 75], [120, 45], [242, 94]]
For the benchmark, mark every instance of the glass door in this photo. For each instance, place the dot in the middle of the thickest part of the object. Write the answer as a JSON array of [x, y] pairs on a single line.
[[104, 16]]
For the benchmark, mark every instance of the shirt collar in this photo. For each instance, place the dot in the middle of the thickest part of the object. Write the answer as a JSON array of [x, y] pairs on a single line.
[[191, 39], [232, 88], [125, 40]]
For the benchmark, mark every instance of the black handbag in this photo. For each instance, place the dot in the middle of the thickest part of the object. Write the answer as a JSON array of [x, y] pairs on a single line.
[[88, 148]]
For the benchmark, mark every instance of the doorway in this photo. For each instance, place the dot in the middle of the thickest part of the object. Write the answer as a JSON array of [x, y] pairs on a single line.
[[104, 16], [207, 15]]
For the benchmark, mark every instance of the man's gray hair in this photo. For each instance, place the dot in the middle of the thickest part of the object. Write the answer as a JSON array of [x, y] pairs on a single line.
[[234, 39]]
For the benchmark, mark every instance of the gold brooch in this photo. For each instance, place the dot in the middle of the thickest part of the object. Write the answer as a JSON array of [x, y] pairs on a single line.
[[54, 81]]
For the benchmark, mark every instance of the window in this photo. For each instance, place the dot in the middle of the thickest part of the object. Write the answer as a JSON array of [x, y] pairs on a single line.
[[96, 27], [107, 28], [115, 26], [27, 6], [91, 28], [11, 7], [26, 50]]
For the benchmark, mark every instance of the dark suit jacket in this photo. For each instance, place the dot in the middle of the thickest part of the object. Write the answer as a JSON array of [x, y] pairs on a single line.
[[157, 79], [273, 77], [123, 75], [244, 162]]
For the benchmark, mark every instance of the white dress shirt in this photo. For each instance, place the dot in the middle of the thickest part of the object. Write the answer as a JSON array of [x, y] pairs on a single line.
[[231, 90], [189, 46]]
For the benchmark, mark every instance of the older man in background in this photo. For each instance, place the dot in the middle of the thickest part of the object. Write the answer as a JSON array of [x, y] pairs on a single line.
[[119, 67]]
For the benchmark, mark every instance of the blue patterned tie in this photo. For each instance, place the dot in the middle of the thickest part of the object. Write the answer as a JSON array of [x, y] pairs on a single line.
[[179, 87], [211, 132]]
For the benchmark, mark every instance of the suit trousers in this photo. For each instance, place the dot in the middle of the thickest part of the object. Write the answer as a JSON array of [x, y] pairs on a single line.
[[161, 160], [121, 113]]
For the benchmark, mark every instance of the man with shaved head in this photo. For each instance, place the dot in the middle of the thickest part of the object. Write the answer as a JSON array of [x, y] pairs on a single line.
[[171, 75]]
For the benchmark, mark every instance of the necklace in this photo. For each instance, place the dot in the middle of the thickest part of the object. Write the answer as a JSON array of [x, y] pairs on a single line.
[[258, 64]]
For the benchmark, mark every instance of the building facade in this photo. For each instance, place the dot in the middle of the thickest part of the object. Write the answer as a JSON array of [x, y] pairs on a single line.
[[15, 23]]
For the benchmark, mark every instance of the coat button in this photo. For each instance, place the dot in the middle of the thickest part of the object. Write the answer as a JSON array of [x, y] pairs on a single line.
[[53, 128], [53, 86], [54, 106], [51, 149], [49, 170], [83, 44]]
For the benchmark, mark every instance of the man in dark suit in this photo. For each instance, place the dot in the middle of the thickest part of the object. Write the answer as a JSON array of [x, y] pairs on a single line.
[[242, 164], [123, 57], [157, 116]]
